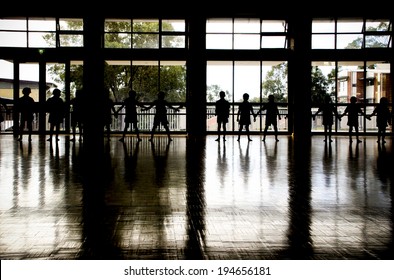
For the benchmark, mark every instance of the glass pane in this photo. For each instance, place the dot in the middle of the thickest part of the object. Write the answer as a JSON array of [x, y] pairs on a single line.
[[145, 25], [71, 24], [42, 40], [349, 41], [378, 41], [247, 79], [117, 25], [274, 80], [173, 25], [273, 42], [246, 25], [217, 41], [219, 78], [273, 26], [246, 41], [323, 41], [71, 40], [219, 26], [378, 25], [42, 24], [13, 39], [13, 24], [173, 81], [349, 26], [117, 40], [145, 41], [173, 41], [323, 26]]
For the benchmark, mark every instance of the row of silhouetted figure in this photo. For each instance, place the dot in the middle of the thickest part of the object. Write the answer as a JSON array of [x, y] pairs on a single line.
[[56, 107]]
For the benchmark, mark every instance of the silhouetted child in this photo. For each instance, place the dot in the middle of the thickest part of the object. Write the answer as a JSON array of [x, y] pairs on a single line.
[[271, 117], [245, 111], [55, 107], [25, 105], [77, 114], [383, 117], [160, 117], [131, 103], [222, 111], [353, 110], [329, 110]]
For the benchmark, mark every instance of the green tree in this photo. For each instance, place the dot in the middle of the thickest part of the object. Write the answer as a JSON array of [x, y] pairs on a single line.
[[372, 41], [147, 80], [275, 83]]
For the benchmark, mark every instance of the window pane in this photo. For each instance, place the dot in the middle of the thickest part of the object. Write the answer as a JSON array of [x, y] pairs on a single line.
[[173, 25], [117, 40], [247, 80], [173, 41], [217, 41], [145, 25], [246, 25], [349, 26], [378, 41], [273, 42], [13, 39], [378, 25], [273, 26], [71, 40], [323, 41], [13, 24], [323, 26], [117, 25], [42, 24], [351, 41], [247, 41], [146, 41], [219, 26], [42, 40], [71, 24]]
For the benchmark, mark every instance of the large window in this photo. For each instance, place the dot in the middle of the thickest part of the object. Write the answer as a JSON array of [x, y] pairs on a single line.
[[352, 33], [41, 32], [246, 34], [145, 33], [257, 78]]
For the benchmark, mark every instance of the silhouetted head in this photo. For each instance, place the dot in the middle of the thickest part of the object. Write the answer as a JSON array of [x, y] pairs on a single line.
[[26, 91], [246, 96], [384, 101], [222, 94], [271, 98], [78, 92], [161, 95], [132, 93], [353, 99], [56, 92]]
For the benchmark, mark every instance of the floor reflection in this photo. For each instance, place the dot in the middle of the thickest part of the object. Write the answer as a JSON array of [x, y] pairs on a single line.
[[196, 199]]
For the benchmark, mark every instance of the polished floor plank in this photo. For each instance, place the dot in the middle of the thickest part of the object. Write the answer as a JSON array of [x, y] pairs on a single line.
[[197, 199]]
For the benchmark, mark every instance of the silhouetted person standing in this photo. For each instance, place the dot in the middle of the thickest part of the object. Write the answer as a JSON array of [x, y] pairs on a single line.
[[383, 118], [77, 114], [271, 117], [329, 110], [25, 105], [353, 110], [245, 111], [161, 114], [222, 111], [56, 108], [131, 103]]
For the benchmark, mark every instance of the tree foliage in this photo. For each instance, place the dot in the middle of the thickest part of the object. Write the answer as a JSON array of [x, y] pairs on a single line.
[[275, 83], [147, 80]]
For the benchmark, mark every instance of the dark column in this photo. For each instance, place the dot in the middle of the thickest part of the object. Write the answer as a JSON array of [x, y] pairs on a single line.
[[300, 78], [196, 73], [93, 81]]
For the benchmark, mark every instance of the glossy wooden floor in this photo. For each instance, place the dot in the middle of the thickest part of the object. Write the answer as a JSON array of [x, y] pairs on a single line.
[[190, 199]]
